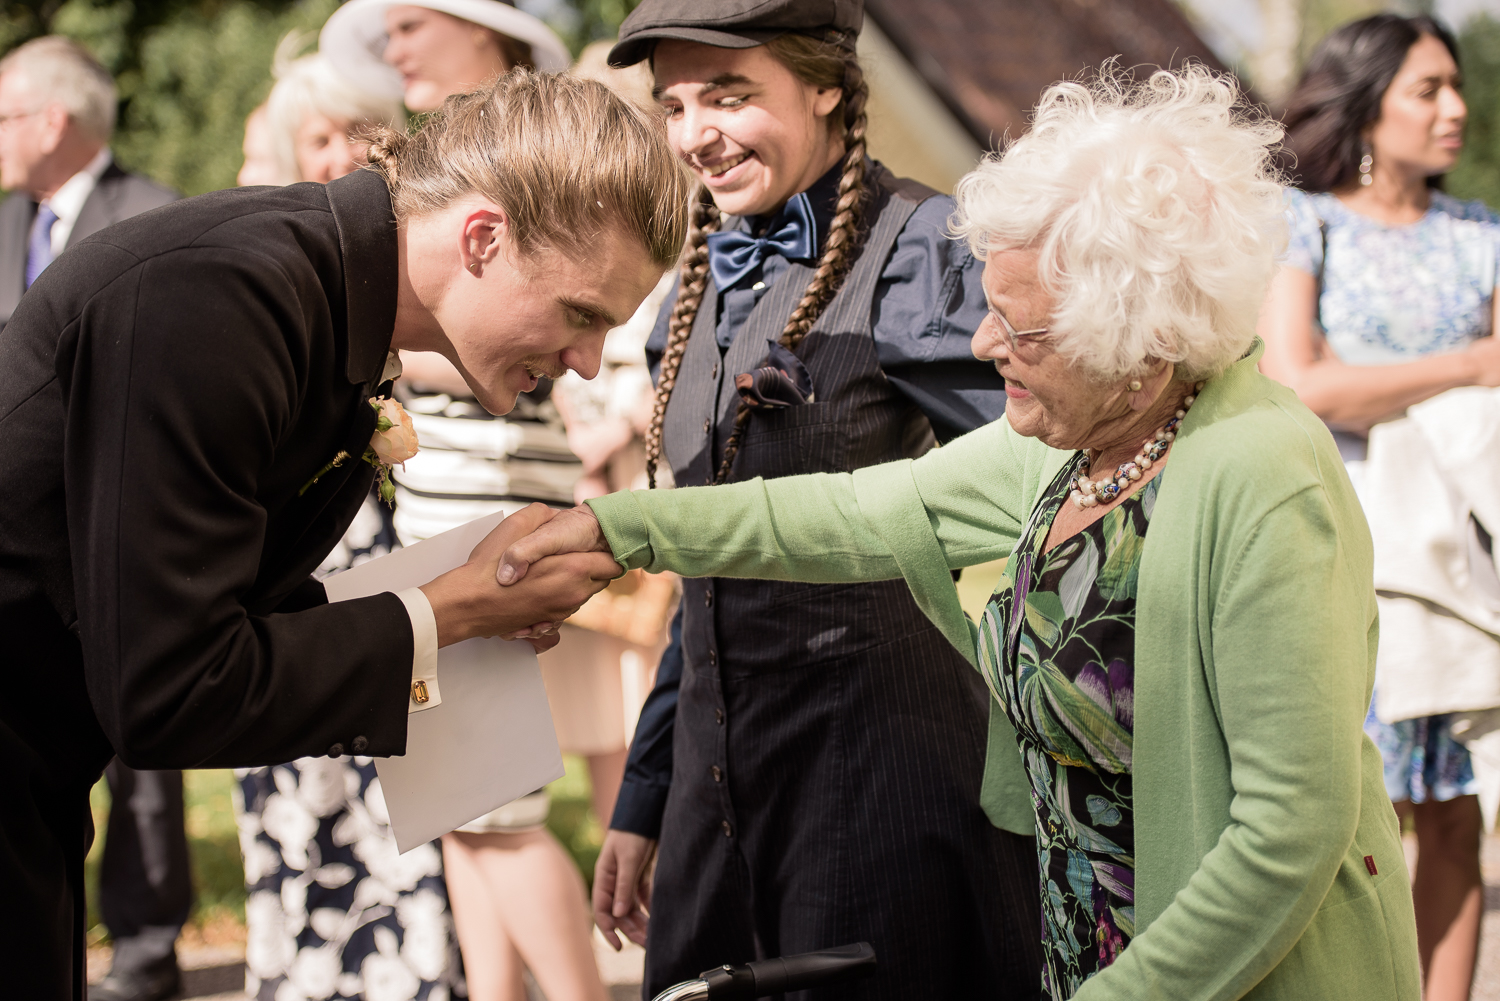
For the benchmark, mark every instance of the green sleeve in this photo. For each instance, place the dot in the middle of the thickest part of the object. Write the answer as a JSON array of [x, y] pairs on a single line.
[[1289, 645], [956, 506]]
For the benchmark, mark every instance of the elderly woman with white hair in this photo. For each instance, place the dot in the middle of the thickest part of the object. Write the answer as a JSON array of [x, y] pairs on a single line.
[[315, 115], [1182, 645]]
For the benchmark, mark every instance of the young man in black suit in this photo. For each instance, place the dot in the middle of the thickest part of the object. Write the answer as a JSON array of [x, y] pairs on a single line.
[[188, 424], [57, 111]]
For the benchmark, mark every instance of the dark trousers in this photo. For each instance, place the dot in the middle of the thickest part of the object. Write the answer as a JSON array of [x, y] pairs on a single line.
[[825, 791], [145, 881]]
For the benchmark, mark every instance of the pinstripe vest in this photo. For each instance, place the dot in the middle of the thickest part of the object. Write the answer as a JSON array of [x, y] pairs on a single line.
[[857, 419]]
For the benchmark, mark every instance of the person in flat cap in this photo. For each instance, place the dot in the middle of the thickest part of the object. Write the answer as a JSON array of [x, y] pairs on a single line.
[[425, 52], [808, 767]]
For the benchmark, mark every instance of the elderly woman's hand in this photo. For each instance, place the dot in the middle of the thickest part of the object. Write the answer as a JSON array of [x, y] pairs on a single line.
[[575, 531], [467, 603]]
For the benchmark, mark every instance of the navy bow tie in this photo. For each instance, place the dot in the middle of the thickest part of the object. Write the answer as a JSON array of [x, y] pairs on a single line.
[[733, 255]]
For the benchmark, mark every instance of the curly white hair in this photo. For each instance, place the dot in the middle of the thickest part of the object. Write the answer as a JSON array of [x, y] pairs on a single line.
[[311, 85], [1157, 212]]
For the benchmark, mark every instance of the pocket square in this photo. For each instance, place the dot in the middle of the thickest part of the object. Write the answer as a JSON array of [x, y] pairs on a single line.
[[781, 380]]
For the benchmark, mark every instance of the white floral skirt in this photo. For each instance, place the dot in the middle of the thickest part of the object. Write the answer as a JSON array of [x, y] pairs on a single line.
[[333, 911]]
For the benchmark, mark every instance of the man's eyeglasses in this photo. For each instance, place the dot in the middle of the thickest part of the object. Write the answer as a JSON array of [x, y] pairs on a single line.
[[7, 119], [1012, 335]]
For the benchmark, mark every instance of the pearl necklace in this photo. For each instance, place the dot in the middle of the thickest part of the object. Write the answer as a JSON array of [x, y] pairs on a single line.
[[1084, 492]]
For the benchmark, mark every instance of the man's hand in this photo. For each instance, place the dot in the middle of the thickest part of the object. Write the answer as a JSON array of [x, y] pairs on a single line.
[[466, 601], [575, 531], [622, 886]]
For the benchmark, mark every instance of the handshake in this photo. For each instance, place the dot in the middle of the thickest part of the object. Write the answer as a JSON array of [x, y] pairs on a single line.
[[533, 571]]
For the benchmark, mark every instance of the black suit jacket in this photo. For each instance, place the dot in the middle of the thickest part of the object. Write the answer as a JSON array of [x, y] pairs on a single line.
[[167, 388], [116, 197]]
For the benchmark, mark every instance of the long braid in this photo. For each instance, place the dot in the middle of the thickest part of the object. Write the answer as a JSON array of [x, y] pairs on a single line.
[[691, 285], [844, 238]]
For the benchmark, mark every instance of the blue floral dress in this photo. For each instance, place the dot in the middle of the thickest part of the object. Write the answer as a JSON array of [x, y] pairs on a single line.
[[333, 911], [1057, 649], [1392, 294]]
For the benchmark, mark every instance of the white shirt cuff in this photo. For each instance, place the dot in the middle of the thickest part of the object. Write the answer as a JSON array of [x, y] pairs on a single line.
[[424, 692]]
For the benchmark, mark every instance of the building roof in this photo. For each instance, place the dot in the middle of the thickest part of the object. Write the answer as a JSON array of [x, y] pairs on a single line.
[[989, 60]]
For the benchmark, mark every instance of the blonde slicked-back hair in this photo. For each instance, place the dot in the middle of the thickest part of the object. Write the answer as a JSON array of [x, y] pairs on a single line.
[[818, 64], [1157, 212], [565, 158]]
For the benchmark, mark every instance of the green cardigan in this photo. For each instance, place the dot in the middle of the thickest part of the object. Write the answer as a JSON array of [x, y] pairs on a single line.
[[1260, 809]]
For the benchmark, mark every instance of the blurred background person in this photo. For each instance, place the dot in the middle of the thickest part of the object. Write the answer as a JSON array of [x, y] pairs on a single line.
[[1387, 298], [315, 113], [57, 111], [425, 52], [518, 900], [330, 903], [260, 158]]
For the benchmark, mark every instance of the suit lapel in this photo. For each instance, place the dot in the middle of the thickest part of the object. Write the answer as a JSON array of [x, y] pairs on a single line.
[[16, 216], [101, 208]]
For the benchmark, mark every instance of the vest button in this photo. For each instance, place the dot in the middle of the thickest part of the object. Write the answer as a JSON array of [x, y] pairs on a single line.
[[719, 716], [715, 373], [708, 425], [708, 598], [713, 658], [728, 831], [717, 773]]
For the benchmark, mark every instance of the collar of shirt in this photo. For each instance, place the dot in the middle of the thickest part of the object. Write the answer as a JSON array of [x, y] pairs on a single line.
[[736, 304], [68, 201], [823, 194]]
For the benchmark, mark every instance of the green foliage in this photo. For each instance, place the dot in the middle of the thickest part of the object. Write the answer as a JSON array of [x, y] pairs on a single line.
[[213, 844], [571, 818], [213, 840], [1478, 172], [580, 22], [190, 71], [188, 74]]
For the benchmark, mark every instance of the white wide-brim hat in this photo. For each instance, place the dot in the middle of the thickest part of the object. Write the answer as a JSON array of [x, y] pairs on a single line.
[[354, 38]]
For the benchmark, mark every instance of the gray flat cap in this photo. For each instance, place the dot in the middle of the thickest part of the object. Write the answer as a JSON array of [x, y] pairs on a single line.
[[734, 24]]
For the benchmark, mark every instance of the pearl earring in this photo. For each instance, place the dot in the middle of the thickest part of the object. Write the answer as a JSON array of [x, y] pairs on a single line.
[[1365, 163], [1135, 385]]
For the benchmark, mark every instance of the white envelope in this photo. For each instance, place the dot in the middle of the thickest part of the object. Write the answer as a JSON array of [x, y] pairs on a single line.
[[491, 740]]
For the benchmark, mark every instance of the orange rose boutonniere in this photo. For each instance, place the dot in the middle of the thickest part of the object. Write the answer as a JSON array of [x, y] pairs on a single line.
[[394, 441]]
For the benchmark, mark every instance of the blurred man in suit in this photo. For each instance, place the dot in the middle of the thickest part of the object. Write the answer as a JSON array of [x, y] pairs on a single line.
[[57, 110]]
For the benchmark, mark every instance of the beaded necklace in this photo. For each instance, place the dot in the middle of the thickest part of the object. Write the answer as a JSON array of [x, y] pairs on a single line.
[[1084, 492]]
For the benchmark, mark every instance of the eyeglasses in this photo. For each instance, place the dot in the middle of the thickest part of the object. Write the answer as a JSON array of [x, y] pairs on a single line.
[[7, 119], [1012, 335]]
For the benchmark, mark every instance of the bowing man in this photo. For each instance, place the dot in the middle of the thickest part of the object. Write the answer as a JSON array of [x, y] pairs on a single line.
[[190, 404]]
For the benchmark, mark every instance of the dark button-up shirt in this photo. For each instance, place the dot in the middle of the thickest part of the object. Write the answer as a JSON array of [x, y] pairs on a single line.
[[926, 308]]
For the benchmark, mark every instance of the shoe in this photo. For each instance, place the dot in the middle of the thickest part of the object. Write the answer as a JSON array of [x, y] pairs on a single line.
[[137, 986]]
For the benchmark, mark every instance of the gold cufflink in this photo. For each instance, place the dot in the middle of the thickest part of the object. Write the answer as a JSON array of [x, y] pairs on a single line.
[[419, 692]]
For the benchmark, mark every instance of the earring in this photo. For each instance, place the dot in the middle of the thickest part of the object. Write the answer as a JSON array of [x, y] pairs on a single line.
[[1135, 385], [1365, 163], [474, 268]]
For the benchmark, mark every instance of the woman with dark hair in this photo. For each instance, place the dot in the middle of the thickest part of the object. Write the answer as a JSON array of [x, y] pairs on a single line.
[[1386, 300]]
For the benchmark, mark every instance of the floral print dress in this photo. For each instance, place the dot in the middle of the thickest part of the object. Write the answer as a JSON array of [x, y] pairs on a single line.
[[333, 911], [1057, 649]]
